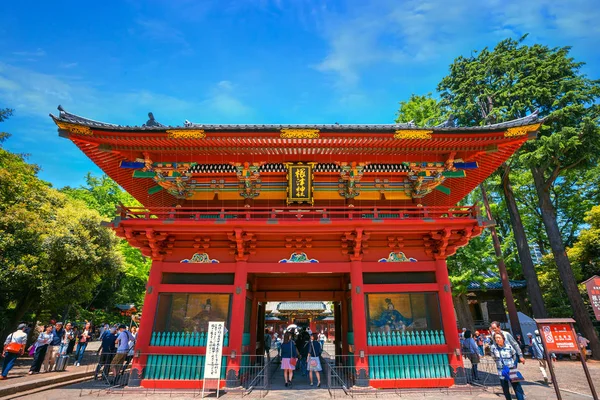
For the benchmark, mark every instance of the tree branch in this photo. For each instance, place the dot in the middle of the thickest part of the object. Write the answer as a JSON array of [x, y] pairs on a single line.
[[552, 177]]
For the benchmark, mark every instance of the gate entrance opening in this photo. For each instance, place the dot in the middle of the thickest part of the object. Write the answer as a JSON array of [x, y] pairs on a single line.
[[311, 301]]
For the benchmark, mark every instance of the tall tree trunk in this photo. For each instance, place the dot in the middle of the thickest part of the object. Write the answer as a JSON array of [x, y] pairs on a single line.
[[23, 305], [562, 262], [463, 312], [533, 285], [511, 307]]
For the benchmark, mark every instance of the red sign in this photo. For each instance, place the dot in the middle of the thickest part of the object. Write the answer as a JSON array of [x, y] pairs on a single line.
[[558, 338], [593, 289]]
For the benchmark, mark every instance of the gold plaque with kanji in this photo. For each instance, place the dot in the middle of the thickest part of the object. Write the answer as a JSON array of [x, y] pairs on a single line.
[[300, 183]]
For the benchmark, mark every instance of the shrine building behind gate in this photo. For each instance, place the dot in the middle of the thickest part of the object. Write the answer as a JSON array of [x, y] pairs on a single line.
[[235, 216]]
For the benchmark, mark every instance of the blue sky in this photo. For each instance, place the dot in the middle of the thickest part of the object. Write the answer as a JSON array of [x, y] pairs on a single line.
[[248, 61]]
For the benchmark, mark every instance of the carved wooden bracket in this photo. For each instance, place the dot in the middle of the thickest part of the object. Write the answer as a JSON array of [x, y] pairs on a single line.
[[436, 243], [201, 242], [298, 242], [244, 244], [156, 244], [395, 243], [355, 244]]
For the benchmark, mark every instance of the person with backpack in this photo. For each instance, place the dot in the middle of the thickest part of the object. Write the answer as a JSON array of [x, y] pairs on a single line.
[[123, 340], [108, 348]]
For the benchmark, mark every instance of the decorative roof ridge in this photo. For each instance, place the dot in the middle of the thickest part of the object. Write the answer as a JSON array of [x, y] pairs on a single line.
[[447, 126], [64, 115]]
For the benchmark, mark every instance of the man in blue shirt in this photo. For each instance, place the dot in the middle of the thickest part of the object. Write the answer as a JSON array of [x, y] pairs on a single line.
[[57, 335], [122, 349], [108, 349]]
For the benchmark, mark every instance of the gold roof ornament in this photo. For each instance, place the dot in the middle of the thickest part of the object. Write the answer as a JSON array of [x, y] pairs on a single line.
[[186, 133], [75, 129], [299, 134], [521, 130], [413, 134]]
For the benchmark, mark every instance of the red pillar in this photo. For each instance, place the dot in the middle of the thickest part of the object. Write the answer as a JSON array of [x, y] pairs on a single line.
[[312, 325], [448, 314], [145, 332], [236, 325], [359, 322]]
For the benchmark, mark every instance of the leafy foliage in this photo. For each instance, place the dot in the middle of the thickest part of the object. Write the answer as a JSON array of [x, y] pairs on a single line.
[[104, 195], [53, 249], [585, 253], [421, 110]]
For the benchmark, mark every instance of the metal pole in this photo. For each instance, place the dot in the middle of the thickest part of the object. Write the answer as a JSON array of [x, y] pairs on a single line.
[[552, 375], [584, 364], [510, 301]]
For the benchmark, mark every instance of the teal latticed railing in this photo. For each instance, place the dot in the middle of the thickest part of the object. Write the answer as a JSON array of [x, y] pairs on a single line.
[[350, 337], [182, 339], [409, 366], [178, 367], [246, 361], [246, 339], [411, 338]]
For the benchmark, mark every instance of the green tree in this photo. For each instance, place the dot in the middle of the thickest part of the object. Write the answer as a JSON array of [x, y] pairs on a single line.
[[421, 110], [488, 88], [512, 81], [585, 253], [53, 249], [104, 195]]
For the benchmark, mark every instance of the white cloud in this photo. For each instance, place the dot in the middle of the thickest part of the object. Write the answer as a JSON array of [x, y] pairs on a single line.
[[35, 53], [224, 103], [35, 94], [420, 32], [68, 65]]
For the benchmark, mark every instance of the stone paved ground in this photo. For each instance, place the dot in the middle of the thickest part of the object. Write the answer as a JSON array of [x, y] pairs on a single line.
[[18, 376], [570, 376], [533, 392]]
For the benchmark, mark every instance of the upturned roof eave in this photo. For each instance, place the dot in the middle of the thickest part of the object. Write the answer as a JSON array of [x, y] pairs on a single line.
[[67, 117]]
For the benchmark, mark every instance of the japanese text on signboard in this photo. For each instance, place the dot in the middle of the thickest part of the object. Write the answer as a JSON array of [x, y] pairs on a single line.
[[593, 289], [299, 183], [214, 350], [559, 338]]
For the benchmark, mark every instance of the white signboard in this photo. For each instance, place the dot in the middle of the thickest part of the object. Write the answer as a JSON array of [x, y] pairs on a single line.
[[214, 350]]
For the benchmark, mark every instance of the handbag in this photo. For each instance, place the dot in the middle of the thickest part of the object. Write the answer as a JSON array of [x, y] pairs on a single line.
[[512, 374], [313, 361], [13, 347], [293, 360]]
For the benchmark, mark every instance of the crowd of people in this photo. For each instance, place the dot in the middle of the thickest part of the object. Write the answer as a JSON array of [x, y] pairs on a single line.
[[54, 344], [299, 350], [507, 352]]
